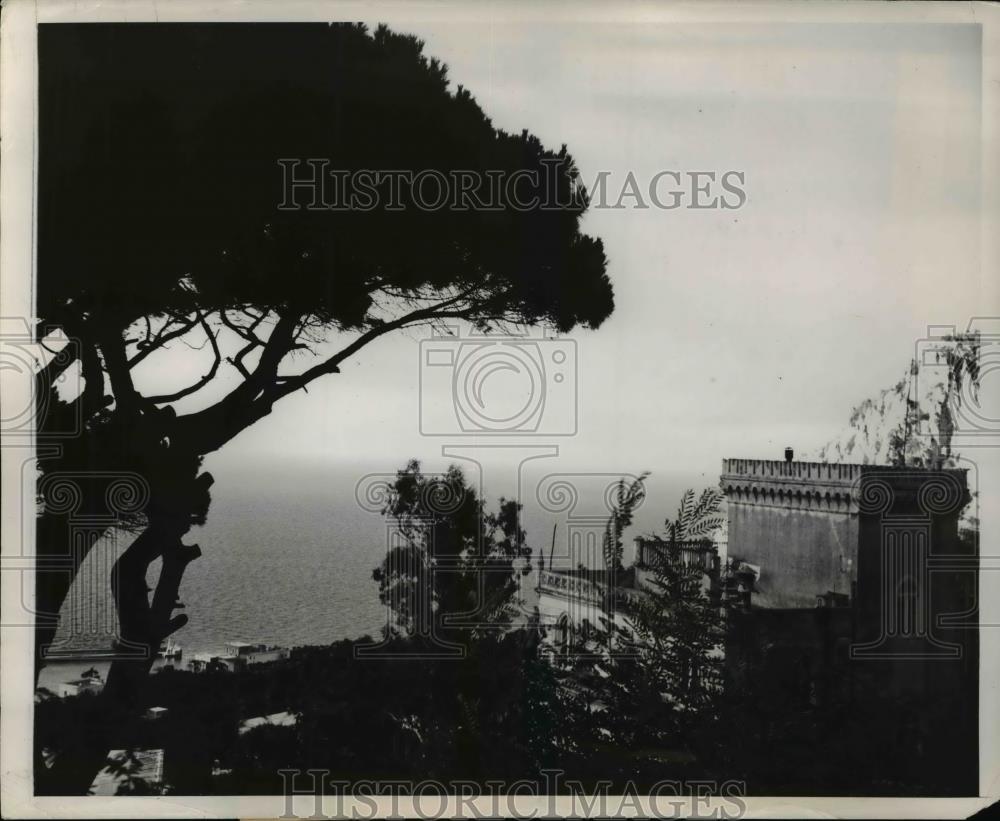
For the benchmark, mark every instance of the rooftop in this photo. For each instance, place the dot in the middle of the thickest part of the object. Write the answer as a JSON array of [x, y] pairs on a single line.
[[818, 471]]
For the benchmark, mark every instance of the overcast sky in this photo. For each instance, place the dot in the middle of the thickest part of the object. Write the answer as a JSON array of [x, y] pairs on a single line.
[[736, 332]]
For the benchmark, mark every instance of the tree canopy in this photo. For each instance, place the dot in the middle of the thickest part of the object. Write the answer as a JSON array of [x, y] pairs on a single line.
[[161, 221], [164, 218], [453, 576], [160, 185]]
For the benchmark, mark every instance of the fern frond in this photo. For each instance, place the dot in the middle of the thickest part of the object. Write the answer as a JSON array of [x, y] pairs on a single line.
[[705, 526], [685, 514], [709, 503]]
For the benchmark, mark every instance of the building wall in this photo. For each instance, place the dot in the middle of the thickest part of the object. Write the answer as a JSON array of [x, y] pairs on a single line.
[[801, 554], [564, 597], [902, 649], [888, 536], [797, 522], [267, 656], [569, 607]]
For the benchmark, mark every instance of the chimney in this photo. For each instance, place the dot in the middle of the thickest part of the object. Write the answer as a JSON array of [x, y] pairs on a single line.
[[789, 453]]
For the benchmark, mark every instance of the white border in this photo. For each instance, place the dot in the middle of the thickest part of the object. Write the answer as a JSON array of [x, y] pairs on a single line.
[[18, 76]]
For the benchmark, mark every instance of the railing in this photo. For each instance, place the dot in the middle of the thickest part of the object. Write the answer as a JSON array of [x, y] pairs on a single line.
[[777, 469], [701, 552]]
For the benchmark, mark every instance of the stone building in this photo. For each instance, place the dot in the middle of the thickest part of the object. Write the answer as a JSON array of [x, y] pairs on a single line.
[[573, 601], [90, 682], [796, 525], [882, 539], [859, 590], [238, 655], [849, 593]]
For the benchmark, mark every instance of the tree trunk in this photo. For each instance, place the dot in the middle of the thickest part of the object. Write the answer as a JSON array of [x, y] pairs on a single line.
[[145, 623], [179, 500]]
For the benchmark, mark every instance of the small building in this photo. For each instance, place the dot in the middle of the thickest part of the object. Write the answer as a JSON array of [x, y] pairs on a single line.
[[199, 662], [130, 772], [156, 713], [572, 602], [241, 654], [282, 719], [238, 655], [229, 664], [89, 682]]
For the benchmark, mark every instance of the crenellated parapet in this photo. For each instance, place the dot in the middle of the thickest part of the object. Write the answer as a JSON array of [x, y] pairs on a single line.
[[842, 488], [801, 471], [811, 486]]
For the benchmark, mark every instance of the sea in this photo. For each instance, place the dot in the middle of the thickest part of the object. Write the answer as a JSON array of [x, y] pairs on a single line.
[[288, 552]]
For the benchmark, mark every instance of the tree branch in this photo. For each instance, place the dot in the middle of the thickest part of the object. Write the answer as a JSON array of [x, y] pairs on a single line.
[[208, 377], [92, 397], [253, 341], [116, 363], [331, 365], [248, 332], [209, 429], [162, 338], [203, 431]]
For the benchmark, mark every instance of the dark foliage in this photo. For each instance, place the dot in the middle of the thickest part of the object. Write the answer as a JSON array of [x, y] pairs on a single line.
[[454, 578], [159, 223], [159, 170]]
